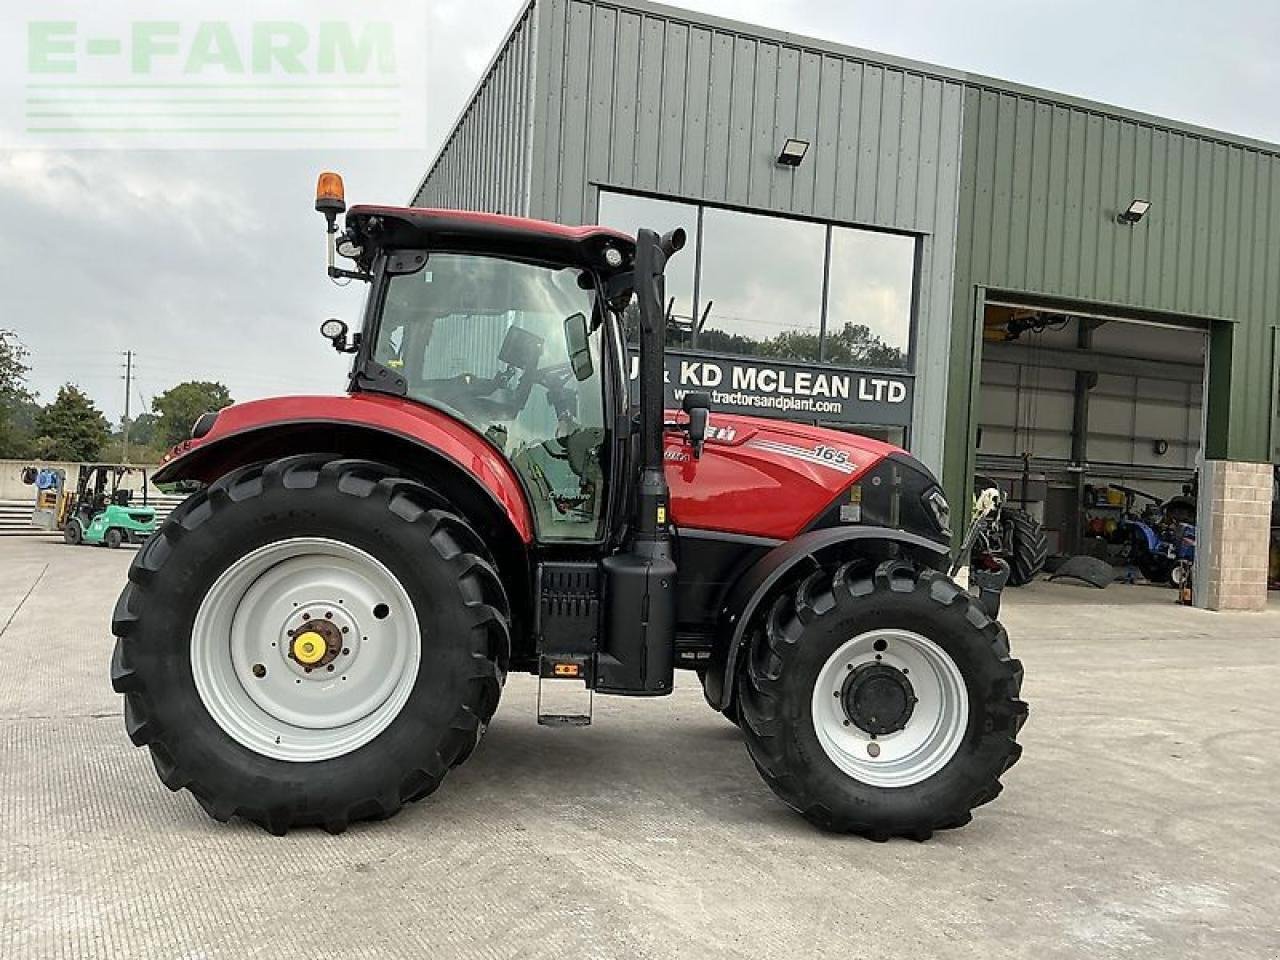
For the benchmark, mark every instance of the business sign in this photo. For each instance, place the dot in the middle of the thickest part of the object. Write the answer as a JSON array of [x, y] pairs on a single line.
[[162, 75], [788, 391]]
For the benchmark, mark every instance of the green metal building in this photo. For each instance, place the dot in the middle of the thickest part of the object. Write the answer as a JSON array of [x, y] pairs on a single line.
[[940, 232]]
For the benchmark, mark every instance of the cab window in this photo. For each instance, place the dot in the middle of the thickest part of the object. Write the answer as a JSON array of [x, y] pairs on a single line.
[[510, 349]]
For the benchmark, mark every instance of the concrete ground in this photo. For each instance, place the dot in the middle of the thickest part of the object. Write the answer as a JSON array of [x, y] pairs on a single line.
[[1141, 822]]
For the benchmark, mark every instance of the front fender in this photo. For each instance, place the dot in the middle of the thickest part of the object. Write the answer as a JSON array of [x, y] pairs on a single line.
[[369, 426], [805, 552]]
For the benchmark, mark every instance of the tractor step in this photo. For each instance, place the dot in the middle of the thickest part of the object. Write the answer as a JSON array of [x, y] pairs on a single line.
[[564, 697], [567, 627]]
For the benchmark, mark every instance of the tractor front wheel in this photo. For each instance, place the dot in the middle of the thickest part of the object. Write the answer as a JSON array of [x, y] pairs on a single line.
[[310, 641], [881, 701], [73, 533]]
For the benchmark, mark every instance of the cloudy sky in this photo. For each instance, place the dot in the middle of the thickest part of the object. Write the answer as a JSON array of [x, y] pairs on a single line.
[[209, 264]]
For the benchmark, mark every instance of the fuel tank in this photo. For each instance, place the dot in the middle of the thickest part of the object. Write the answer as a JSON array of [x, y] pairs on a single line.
[[769, 478]]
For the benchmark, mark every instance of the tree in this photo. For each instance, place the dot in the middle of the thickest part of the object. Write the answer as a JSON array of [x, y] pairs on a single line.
[[144, 430], [180, 407], [853, 344], [71, 428], [17, 405]]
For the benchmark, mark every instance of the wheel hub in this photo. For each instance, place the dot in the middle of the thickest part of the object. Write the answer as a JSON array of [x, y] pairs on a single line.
[[316, 642], [878, 699], [308, 648]]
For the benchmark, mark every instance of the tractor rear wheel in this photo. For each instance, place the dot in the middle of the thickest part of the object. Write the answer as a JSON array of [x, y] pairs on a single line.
[[310, 641], [881, 701], [114, 537], [1027, 547]]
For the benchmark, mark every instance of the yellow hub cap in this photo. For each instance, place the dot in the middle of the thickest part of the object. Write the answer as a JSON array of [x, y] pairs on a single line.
[[308, 647]]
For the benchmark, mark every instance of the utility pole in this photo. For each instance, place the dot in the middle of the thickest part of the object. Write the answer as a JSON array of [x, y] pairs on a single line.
[[128, 390]]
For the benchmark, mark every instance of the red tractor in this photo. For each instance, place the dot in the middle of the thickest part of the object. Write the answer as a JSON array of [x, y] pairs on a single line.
[[324, 627]]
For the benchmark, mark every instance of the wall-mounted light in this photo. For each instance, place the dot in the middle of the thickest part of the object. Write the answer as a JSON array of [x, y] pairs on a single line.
[[1136, 210], [793, 152]]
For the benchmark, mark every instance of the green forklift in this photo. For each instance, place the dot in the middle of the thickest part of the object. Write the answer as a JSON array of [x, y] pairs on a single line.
[[102, 509]]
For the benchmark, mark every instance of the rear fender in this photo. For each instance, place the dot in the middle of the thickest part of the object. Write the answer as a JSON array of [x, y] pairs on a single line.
[[476, 489], [386, 429], [805, 553]]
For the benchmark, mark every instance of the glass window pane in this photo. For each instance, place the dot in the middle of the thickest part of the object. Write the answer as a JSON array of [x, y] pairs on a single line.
[[869, 302], [762, 280], [488, 339], [628, 214]]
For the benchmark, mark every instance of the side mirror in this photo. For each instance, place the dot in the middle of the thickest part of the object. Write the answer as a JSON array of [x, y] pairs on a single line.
[[697, 405], [579, 346]]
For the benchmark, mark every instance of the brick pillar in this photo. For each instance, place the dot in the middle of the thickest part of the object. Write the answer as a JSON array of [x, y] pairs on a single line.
[[1233, 540]]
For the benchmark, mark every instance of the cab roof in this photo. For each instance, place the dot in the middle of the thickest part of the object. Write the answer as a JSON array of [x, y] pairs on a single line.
[[464, 231]]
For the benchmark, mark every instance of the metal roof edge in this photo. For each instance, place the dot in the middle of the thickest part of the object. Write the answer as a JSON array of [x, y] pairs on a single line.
[[525, 11], [974, 80]]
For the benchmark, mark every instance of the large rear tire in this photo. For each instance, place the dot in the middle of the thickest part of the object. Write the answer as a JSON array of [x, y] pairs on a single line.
[[881, 701], [311, 641], [1028, 548]]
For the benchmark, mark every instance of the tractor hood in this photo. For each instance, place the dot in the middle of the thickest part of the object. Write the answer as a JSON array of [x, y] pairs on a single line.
[[772, 479]]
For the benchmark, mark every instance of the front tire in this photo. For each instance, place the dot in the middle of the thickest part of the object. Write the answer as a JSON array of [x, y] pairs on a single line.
[[881, 701], [246, 708], [73, 533]]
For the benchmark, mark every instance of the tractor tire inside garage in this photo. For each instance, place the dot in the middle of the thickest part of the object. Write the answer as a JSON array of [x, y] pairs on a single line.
[[311, 641], [1027, 547], [881, 701]]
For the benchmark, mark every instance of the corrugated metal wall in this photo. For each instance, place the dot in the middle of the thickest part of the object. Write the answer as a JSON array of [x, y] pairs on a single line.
[[1043, 182], [642, 99], [485, 162]]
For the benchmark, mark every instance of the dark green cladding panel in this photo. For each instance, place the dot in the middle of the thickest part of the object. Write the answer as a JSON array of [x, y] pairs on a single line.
[[1041, 185]]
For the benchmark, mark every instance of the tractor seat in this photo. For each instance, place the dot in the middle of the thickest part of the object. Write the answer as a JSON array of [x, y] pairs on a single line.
[[122, 498]]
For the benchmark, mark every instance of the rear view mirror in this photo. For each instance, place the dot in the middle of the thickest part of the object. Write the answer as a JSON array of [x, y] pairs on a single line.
[[697, 405], [578, 345]]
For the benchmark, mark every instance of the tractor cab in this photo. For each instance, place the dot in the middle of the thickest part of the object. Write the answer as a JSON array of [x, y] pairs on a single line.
[[517, 344], [108, 506]]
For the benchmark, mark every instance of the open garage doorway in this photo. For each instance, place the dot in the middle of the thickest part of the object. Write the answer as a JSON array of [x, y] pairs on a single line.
[[1092, 426]]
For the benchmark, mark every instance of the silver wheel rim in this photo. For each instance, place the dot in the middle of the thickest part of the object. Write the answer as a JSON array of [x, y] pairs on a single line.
[[932, 733], [269, 701]]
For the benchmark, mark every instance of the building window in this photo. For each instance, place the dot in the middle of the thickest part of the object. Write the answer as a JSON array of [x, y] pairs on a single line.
[[777, 287], [760, 291], [628, 214], [869, 299]]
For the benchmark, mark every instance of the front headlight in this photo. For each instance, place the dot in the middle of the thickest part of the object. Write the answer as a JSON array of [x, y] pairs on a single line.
[[939, 509]]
